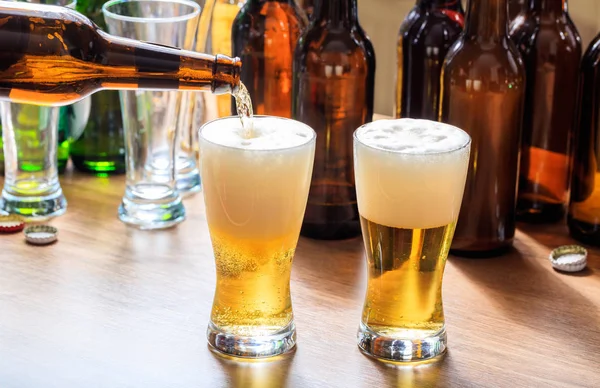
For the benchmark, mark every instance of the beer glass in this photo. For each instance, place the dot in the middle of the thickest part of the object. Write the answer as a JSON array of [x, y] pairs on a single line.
[[30, 142], [158, 169], [255, 191], [410, 178]]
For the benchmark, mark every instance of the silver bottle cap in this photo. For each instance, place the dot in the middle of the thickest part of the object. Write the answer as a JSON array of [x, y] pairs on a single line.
[[41, 234], [569, 258]]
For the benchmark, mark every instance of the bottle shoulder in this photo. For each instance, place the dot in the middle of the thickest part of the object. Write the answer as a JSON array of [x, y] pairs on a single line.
[[320, 43], [431, 27], [254, 15], [468, 56], [591, 58], [530, 32]]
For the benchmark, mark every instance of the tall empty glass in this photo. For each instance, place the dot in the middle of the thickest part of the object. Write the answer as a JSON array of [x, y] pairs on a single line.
[[255, 191], [31, 186], [30, 142], [157, 168], [410, 178]]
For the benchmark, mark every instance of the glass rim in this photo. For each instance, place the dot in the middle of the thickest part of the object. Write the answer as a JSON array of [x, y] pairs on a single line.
[[312, 139], [415, 154], [68, 4], [138, 19]]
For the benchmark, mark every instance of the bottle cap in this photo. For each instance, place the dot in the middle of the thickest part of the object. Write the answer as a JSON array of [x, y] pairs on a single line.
[[569, 258], [41, 234], [11, 223]]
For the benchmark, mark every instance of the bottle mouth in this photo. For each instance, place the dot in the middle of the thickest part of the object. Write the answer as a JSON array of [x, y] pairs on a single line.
[[226, 74]]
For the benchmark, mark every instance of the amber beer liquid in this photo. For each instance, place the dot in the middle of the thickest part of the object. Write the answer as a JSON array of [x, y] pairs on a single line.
[[410, 177], [55, 56], [255, 190]]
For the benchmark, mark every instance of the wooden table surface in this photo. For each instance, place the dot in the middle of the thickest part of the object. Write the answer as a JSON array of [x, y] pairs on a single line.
[[112, 306]]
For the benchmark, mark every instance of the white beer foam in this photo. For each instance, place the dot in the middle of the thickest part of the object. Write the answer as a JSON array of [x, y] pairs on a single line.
[[410, 173], [268, 134], [412, 136], [256, 189]]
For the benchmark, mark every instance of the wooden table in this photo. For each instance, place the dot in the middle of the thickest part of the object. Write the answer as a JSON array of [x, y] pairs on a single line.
[[112, 306]]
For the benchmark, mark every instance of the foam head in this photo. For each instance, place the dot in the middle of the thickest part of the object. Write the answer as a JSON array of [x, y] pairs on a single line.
[[410, 173], [256, 188], [268, 133]]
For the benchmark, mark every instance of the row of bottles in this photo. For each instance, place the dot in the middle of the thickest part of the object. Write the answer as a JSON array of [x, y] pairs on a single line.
[[514, 87], [322, 74], [480, 75]]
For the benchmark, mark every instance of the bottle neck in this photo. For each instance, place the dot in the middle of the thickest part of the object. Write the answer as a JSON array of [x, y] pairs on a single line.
[[487, 19], [555, 6], [336, 11], [439, 4], [160, 67]]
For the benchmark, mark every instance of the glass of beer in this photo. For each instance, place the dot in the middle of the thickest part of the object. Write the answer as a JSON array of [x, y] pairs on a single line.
[[410, 178], [255, 191]]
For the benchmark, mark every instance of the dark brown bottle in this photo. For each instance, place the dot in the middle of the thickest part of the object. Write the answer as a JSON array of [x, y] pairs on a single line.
[[264, 36], [334, 77], [483, 90], [551, 50], [425, 37], [515, 7], [56, 56], [584, 208], [309, 7]]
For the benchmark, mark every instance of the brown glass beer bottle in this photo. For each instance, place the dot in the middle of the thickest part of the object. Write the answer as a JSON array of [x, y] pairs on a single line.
[[483, 89], [584, 209], [551, 50], [425, 36], [334, 76], [264, 36]]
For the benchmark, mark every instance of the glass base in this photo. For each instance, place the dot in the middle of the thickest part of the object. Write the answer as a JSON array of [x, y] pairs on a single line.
[[35, 208], [188, 182], [413, 349], [252, 347], [99, 165], [145, 208]]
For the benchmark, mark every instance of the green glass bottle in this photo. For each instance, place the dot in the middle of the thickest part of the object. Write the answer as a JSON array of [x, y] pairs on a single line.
[[100, 147]]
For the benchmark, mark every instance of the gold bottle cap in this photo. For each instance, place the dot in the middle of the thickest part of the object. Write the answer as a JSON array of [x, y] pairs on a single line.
[[41, 234], [569, 258]]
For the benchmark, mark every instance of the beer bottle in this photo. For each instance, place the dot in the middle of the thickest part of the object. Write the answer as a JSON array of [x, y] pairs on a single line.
[[551, 49], [334, 76], [584, 208], [515, 7], [423, 42], [215, 29], [309, 7], [80, 59], [483, 90], [264, 36]]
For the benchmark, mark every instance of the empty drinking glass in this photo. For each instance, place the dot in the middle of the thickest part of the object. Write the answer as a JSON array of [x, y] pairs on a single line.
[[158, 167]]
